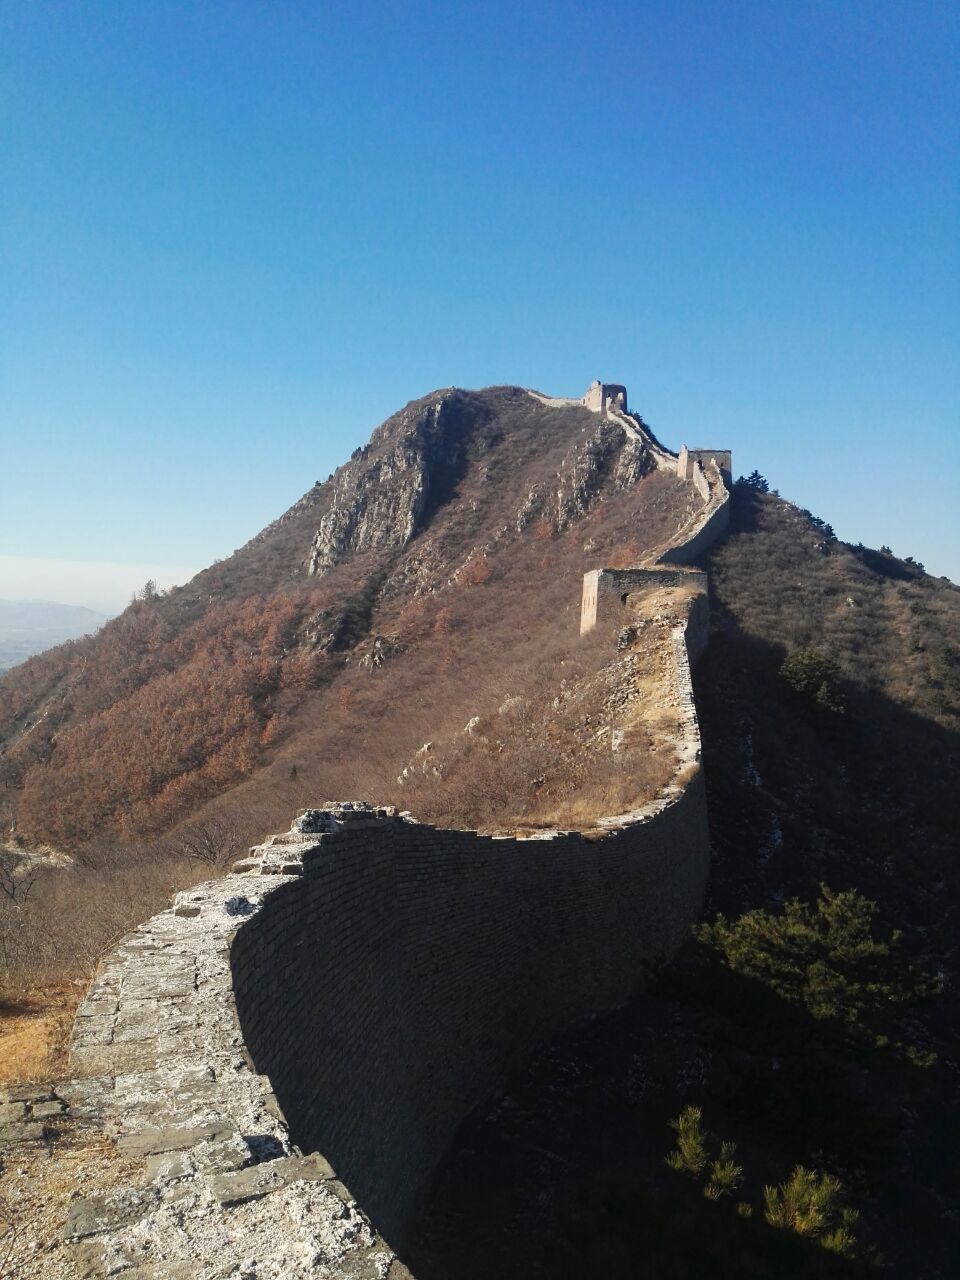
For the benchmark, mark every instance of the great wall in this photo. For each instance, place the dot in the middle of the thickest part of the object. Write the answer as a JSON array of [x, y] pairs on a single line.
[[288, 1051]]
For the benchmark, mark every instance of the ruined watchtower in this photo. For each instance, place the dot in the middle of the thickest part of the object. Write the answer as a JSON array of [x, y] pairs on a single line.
[[602, 396], [688, 459]]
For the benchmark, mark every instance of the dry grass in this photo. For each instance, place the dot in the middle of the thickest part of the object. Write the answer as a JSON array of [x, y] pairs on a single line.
[[231, 703], [51, 943], [34, 1030], [37, 1183], [890, 627]]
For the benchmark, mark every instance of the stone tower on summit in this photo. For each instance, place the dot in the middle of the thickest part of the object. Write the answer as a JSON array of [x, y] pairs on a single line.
[[602, 396]]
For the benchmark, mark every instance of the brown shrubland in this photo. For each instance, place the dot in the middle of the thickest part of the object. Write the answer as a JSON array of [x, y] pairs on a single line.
[[197, 722]]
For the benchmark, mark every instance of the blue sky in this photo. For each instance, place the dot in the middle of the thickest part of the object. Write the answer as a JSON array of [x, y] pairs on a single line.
[[236, 236]]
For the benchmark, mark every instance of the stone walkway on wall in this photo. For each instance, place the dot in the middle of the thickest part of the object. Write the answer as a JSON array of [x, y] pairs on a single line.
[[162, 1071]]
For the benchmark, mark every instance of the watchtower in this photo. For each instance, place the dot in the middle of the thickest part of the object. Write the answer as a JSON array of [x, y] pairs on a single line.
[[688, 459], [602, 396]]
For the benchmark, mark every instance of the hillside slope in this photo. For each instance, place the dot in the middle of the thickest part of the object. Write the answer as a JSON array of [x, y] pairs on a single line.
[[391, 604], [841, 1060]]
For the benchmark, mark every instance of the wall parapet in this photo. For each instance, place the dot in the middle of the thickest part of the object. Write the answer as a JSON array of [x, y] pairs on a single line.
[[304, 1036], [605, 587], [352, 990], [600, 397], [162, 1068], [710, 524]]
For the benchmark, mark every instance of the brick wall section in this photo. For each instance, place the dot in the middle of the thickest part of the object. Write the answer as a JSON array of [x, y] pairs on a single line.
[[712, 524], [354, 989], [160, 1067], [410, 971], [699, 479], [604, 590]]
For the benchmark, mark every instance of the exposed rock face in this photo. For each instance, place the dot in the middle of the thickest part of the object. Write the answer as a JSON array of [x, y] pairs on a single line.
[[381, 503], [608, 455], [635, 461], [607, 452], [385, 495]]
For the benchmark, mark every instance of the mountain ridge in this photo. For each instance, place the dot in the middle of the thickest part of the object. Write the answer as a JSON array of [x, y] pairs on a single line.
[[453, 488], [441, 671]]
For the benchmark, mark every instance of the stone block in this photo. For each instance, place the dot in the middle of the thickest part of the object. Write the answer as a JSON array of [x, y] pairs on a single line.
[[135, 1030], [221, 1157], [261, 1179], [93, 1031], [47, 1110], [16, 1133], [86, 1260], [97, 1006], [85, 1098], [156, 1141], [26, 1093], [97, 1214], [161, 1271], [91, 1060], [169, 1167]]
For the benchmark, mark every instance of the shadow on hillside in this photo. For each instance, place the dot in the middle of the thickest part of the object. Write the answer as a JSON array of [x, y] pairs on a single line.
[[565, 1176], [798, 795], [888, 566]]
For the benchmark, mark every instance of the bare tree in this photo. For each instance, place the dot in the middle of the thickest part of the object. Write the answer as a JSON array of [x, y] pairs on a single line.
[[17, 878], [215, 841]]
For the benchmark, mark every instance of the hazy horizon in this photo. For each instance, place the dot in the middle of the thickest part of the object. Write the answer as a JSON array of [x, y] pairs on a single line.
[[106, 587]]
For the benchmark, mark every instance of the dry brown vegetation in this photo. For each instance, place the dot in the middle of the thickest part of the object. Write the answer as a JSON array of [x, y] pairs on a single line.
[[199, 721], [55, 924], [37, 1183], [891, 628], [183, 697], [886, 766]]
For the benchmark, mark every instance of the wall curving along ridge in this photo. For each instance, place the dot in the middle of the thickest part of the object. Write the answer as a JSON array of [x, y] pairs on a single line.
[[400, 981]]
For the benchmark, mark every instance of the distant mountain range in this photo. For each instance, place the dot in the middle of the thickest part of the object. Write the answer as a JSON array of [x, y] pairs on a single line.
[[30, 626]]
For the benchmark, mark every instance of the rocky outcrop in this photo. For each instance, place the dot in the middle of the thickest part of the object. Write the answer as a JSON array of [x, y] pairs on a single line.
[[634, 462], [607, 453], [380, 498], [389, 490]]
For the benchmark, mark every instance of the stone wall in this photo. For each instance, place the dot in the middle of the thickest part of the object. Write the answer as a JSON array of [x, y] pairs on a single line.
[[700, 481], [354, 989], [688, 458], [709, 527], [400, 982], [599, 397], [161, 1070], [607, 589]]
